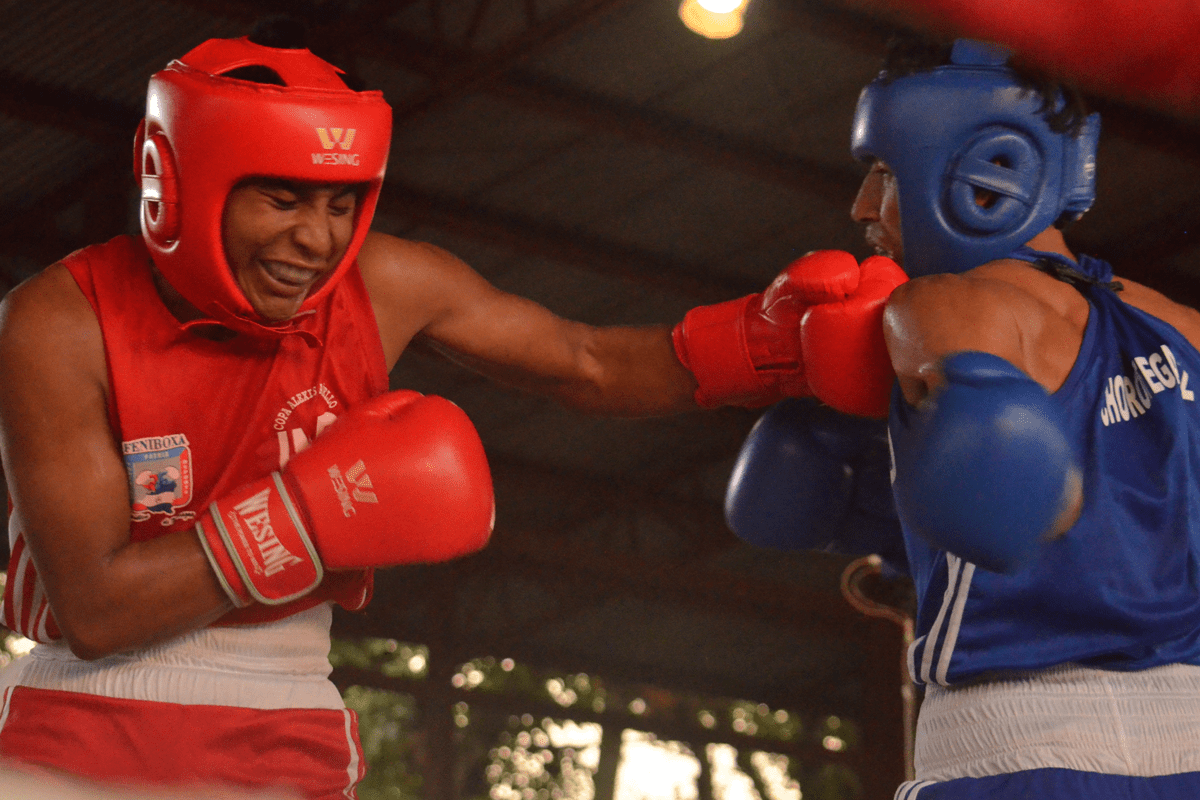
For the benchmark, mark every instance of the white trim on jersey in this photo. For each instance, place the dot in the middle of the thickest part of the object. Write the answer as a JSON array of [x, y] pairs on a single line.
[[26, 609], [945, 626], [14, 610], [41, 612], [952, 629], [909, 789]]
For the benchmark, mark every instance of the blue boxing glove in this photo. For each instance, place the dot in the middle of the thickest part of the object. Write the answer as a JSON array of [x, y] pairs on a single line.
[[809, 478], [983, 468]]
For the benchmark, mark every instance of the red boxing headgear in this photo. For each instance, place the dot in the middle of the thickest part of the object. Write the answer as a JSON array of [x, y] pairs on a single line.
[[203, 133]]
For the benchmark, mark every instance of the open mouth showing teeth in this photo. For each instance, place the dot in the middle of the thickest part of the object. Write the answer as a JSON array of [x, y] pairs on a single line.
[[878, 246], [288, 275]]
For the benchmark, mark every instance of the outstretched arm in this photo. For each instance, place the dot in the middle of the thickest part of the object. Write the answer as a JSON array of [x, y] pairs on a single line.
[[752, 351], [419, 290]]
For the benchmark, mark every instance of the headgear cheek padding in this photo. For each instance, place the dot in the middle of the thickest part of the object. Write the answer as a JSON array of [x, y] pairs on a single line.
[[970, 125], [204, 133]]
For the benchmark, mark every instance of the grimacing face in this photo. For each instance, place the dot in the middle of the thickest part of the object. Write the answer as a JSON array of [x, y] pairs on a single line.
[[282, 237], [877, 206]]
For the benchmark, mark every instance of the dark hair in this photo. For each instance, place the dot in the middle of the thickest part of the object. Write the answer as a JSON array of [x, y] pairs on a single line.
[[277, 30], [280, 30], [288, 33], [908, 54]]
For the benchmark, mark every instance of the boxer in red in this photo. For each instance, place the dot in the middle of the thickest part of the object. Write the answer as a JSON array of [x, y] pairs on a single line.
[[203, 454]]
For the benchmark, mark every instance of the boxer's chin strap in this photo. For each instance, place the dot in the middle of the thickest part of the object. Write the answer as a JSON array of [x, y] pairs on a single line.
[[1074, 276], [257, 330], [1064, 269]]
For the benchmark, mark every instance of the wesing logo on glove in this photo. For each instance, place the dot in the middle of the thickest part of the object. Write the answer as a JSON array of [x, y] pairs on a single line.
[[255, 513], [361, 483], [336, 137]]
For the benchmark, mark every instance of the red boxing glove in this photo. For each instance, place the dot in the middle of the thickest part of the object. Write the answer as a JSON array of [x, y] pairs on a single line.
[[750, 352], [400, 479], [845, 356]]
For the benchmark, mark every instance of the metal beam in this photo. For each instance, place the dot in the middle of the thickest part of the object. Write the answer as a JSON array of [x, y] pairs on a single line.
[[82, 114], [34, 234], [557, 242], [545, 95], [469, 71]]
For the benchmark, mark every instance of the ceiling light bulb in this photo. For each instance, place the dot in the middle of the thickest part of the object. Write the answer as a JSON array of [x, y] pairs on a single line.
[[721, 6], [706, 20]]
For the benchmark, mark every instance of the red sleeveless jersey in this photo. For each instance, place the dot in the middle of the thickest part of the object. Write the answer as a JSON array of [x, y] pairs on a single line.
[[197, 418]]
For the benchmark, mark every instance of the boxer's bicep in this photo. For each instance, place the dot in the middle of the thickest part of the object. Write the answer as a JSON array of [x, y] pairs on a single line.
[[511, 338], [421, 291]]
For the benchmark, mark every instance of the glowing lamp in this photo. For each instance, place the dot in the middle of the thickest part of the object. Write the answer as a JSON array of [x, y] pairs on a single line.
[[715, 19]]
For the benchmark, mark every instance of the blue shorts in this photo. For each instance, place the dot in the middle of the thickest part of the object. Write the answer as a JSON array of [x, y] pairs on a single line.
[[1049, 784]]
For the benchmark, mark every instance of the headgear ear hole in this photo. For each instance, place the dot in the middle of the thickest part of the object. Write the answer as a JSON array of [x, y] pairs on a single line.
[[985, 198], [1003, 163], [160, 198]]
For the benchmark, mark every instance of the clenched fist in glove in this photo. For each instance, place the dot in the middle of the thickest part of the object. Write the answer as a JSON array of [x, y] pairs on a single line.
[[400, 479], [809, 478], [816, 330]]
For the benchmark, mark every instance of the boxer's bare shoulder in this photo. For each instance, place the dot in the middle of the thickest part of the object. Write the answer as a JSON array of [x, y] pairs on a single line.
[[417, 287], [1003, 308], [47, 322]]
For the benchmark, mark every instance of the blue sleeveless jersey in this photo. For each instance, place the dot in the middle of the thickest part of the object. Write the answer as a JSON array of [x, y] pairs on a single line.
[[1121, 589]]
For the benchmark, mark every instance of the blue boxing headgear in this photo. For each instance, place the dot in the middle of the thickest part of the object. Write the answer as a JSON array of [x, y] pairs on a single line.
[[965, 126]]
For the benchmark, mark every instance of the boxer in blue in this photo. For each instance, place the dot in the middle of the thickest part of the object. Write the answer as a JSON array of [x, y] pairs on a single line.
[[1046, 447]]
